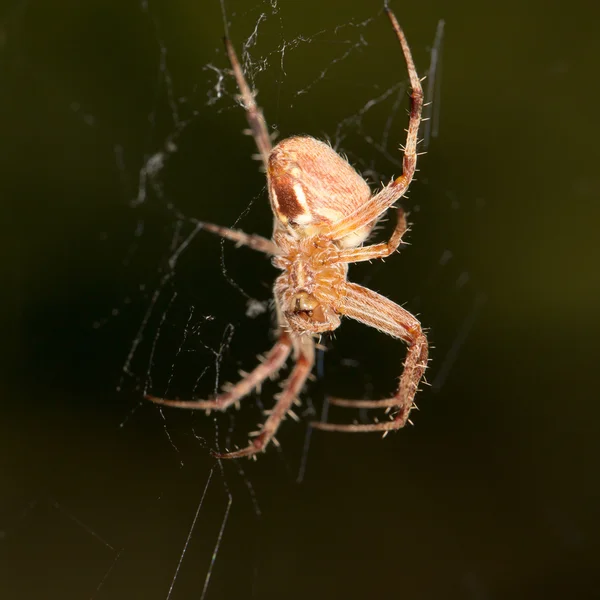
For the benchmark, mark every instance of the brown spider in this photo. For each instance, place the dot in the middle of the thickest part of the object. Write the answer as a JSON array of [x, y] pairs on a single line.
[[324, 211]]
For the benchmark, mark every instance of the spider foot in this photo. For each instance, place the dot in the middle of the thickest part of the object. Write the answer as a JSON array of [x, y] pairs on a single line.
[[358, 428], [257, 445], [387, 403], [400, 418], [207, 405]]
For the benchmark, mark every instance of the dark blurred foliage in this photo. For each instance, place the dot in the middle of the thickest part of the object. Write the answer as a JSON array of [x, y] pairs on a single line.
[[493, 494]]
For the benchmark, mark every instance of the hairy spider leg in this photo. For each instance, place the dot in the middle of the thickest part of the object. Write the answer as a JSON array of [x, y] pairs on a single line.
[[381, 250], [258, 129], [256, 119], [274, 360], [256, 242], [291, 388], [379, 203], [374, 310]]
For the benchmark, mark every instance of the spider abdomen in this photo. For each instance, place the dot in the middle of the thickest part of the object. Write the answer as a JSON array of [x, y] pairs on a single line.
[[312, 186]]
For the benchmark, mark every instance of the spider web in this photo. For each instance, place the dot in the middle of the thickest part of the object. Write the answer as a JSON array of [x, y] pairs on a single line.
[[184, 311]]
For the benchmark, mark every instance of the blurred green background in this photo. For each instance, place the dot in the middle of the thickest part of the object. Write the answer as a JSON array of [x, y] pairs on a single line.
[[493, 494]]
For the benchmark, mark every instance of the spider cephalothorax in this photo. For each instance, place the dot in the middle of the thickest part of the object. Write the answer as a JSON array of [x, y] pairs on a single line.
[[324, 211], [307, 290]]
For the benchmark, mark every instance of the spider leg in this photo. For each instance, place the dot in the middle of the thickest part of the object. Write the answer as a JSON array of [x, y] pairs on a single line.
[[259, 131], [374, 310], [256, 120], [274, 360], [291, 389], [379, 203], [382, 250], [256, 242]]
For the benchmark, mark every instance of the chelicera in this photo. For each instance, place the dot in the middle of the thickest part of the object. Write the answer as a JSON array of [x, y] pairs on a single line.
[[324, 212]]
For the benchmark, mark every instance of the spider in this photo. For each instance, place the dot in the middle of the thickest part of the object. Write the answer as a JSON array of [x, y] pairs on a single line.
[[324, 211]]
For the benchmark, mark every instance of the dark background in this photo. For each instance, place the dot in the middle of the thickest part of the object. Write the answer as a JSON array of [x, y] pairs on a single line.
[[494, 492]]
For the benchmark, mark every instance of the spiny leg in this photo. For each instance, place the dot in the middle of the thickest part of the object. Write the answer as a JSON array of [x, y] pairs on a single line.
[[382, 250], [260, 133], [256, 242], [374, 310], [256, 120], [409, 161], [379, 203], [271, 364], [292, 387]]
